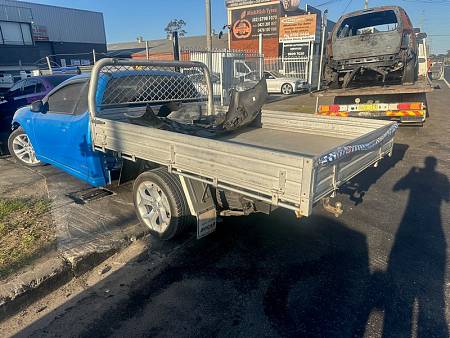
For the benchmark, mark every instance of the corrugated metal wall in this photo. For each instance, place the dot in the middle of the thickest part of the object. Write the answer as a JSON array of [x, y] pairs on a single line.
[[65, 24]]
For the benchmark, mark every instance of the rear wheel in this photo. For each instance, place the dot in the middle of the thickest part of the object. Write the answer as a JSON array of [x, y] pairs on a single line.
[[160, 203], [410, 72], [330, 77], [21, 149], [287, 89]]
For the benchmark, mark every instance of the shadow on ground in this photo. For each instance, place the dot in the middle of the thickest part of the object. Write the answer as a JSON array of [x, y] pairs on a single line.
[[277, 276], [358, 186]]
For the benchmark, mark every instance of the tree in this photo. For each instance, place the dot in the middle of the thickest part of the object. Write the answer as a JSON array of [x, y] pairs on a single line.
[[175, 25]]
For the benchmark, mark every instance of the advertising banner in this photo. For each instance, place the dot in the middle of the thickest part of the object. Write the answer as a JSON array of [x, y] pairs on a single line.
[[295, 50], [39, 33], [248, 23], [237, 3], [298, 28]]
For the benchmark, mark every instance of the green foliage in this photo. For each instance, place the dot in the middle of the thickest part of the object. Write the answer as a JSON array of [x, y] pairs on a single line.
[[175, 25], [26, 232]]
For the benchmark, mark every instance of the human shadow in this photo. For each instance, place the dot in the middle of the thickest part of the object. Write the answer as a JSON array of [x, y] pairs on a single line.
[[256, 276], [415, 275], [357, 187]]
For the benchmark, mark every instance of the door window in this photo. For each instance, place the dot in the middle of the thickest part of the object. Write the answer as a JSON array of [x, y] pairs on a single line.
[[16, 89], [40, 88], [29, 87], [64, 100], [82, 104]]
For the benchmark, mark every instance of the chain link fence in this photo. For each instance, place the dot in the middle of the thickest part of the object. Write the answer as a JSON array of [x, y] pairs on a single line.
[[82, 62]]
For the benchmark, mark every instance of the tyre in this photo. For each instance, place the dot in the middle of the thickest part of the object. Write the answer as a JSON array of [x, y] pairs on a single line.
[[330, 77], [287, 89], [410, 72], [21, 149], [160, 203]]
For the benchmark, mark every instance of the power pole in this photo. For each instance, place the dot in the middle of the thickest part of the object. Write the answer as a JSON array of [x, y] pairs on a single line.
[[208, 33], [322, 42], [366, 4]]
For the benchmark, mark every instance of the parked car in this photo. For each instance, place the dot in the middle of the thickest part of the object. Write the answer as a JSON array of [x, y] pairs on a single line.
[[277, 83], [25, 92], [372, 45]]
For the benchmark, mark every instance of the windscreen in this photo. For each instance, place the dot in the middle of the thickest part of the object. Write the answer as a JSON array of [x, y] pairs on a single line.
[[57, 79], [369, 23]]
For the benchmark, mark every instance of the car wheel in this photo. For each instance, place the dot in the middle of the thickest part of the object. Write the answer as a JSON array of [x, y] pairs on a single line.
[[330, 77], [21, 149], [160, 203], [287, 89]]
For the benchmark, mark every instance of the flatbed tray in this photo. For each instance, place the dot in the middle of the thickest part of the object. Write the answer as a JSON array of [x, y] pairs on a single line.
[[421, 86]]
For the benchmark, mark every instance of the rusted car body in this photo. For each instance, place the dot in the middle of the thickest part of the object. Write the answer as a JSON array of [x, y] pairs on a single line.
[[371, 46]]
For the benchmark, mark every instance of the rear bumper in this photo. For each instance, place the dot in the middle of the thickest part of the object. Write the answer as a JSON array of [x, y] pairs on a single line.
[[403, 116], [383, 61]]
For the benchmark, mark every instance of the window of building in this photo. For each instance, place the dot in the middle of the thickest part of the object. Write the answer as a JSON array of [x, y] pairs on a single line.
[[26, 34], [14, 33]]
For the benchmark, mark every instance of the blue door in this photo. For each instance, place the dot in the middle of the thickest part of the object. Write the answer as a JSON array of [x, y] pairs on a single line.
[[62, 134]]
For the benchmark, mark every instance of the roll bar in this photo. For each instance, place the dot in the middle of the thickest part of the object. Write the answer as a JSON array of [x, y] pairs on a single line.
[[144, 63]]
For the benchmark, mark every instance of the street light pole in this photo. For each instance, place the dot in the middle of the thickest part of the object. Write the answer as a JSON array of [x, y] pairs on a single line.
[[208, 33], [323, 27]]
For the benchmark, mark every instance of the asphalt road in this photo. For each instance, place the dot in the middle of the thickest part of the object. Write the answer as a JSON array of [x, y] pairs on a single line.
[[381, 269]]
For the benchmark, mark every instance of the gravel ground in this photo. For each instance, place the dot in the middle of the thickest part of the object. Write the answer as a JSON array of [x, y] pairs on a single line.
[[381, 269]]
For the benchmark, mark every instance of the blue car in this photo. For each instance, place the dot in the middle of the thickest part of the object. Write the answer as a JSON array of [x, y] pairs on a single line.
[[56, 130]]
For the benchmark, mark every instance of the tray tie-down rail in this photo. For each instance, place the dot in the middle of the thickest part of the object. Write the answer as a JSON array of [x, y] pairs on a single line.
[[349, 150]]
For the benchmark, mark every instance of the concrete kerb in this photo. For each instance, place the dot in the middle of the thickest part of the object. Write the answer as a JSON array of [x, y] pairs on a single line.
[[48, 274], [86, 235]]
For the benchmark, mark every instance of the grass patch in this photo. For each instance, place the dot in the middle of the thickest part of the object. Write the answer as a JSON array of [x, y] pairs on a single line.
[[26, 232]]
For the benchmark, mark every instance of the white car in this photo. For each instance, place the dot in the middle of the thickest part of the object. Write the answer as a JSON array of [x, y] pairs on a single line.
[[277, 83]]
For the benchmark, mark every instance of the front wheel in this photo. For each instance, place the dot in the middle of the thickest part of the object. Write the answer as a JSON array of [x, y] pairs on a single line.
[[160, 203], [287, 89], [21, 149]]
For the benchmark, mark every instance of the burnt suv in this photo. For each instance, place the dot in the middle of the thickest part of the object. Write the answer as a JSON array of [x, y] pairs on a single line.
[[371, 46]]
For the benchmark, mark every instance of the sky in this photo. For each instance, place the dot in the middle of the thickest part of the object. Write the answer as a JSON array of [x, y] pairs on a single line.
[[125, 20]]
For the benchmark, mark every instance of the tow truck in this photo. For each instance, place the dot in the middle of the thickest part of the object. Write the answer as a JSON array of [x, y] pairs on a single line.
[[404, 103]]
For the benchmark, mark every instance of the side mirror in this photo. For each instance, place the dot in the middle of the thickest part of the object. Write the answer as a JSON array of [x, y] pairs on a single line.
[[37, 106]]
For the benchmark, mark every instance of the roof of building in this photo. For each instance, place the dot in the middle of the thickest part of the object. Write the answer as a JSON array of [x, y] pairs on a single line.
[[126, 49]]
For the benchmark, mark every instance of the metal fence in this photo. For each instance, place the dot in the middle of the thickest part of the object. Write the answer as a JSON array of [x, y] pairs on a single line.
[[292, 68], [230, 69]]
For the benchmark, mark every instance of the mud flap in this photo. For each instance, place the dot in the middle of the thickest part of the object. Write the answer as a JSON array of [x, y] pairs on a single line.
[[201, 205]]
